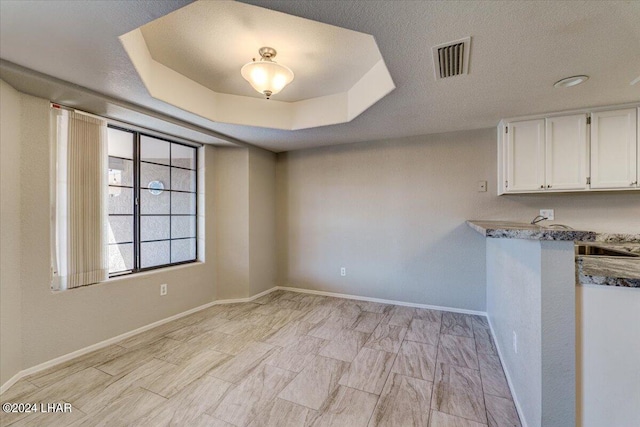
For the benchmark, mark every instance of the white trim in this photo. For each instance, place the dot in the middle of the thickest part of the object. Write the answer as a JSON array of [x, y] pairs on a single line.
[[14, 379], [248, 299], [382, 301], [523, 421], [66, 357]]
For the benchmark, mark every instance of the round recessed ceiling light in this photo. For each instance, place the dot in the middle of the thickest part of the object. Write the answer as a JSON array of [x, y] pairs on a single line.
[[571, 81]]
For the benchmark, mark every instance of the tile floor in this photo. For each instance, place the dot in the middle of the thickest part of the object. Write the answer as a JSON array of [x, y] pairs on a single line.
[[286, 359]]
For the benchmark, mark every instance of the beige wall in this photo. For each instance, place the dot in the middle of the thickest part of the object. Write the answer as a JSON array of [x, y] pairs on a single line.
[[262, 220], [55, 324], [231, 222], [393, 213], [245, 221], [10, 245]]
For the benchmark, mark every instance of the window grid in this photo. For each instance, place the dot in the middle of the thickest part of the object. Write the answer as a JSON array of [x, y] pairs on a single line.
[[137, 205]]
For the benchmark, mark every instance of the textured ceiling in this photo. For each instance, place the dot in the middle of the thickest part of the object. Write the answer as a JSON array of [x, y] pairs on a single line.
[[519, 49]]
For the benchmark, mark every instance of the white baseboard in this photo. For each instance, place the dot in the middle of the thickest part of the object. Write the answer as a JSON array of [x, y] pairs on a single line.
[[523, 421], [64, 358], [382, 301]]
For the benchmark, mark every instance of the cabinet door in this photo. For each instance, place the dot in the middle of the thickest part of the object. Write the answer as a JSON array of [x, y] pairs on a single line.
[[614, 155], [566, 150], [525, 156]]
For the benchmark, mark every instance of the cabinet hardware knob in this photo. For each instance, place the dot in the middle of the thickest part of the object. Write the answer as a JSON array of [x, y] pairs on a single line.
[[542, 186], [634, 183], [548, 186]]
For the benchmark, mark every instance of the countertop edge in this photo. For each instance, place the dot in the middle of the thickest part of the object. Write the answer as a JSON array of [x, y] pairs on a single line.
[[509, 230]]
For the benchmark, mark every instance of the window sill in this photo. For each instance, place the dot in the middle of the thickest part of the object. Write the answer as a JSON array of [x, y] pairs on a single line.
[[152, 272], [141, 274]]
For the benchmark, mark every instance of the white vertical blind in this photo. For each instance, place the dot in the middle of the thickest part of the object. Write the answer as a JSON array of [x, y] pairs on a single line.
[[81, 255]]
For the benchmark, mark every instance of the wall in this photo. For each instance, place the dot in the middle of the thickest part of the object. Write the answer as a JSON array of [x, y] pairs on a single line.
[[514, 304], [608, 340], [245, 221], [558, 318], [55, 324], [231, 222], [392, 212], [262, 220], [10, 245], [531, 293]]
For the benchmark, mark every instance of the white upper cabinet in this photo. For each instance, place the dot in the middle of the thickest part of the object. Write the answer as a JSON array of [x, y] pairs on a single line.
[[525, 156], [614, 149], [566, 151], [546, 154], [588, 150]]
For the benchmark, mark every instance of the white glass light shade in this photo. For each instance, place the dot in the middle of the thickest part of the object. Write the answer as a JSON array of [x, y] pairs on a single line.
[[267, 77]]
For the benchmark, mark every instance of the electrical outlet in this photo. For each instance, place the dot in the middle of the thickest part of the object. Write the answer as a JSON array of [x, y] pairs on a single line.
[[163, 289], [343, 271], [515, 342], [547, 213], [482, 186]]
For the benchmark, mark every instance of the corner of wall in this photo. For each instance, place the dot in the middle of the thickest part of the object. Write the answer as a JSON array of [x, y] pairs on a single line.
[[262, 221], [10, 249]]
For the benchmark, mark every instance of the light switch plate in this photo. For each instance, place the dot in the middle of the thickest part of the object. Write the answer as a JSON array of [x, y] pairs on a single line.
[[482, 186]]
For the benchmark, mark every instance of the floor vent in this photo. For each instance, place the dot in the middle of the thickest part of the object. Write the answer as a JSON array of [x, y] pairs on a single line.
[[451, 59]]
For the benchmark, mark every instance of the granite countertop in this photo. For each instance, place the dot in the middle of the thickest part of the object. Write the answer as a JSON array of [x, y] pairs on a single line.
[[590, 270], [515, 230], [611, 271]]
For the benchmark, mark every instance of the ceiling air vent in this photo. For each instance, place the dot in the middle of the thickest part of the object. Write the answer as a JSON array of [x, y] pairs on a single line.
[[451, 59]]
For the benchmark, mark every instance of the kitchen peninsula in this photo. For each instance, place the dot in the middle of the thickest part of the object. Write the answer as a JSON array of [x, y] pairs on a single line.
[[531, 307]]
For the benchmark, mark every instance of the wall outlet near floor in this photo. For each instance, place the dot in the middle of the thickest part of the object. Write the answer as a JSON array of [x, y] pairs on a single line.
[[547, 213], [515, 342], [482, 186], [163, 289], [343, 271]]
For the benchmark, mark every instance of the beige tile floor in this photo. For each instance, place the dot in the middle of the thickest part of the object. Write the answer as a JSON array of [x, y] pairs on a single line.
[[286, 359]]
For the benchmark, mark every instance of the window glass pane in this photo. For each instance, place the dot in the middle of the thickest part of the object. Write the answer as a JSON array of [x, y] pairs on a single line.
[[154, 227], [183, 226], [120, 200], [120, 143], [183, 203], [183, 156], [167, 205], [154, 174], [183, 250], [120, 229], [154, 204], [183, 180], [120, 257], [120, 172], [154, 253], [154, 150]]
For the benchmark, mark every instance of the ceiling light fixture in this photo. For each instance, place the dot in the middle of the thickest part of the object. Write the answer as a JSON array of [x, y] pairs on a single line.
[[571, 81], [265, 75]]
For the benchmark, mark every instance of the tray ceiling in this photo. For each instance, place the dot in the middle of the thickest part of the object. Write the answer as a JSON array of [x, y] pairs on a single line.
[[191, 58]]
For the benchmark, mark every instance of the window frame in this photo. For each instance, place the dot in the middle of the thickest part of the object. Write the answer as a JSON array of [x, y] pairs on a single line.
[[137, 191]]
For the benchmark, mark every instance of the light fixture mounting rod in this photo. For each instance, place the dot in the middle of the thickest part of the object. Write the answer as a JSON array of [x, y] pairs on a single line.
[[267, 52]]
